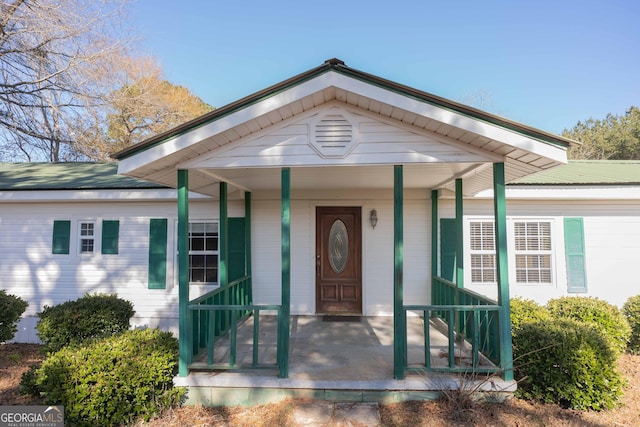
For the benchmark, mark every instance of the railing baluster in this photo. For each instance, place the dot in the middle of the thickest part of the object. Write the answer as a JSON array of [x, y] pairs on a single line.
[[232, 341], [474, 342], [427, 339], [451, 335], [256, 336], [211, 337]]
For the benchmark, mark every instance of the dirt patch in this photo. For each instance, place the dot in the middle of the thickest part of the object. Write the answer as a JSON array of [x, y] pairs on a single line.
[[15, 359]]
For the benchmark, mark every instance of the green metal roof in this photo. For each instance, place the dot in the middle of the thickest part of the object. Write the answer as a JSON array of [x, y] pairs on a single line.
[[67, 176], [104, 176], [339, 66], [587, 172]]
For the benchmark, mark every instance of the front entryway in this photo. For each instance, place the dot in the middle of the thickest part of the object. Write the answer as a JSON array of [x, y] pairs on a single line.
[[338, 260]]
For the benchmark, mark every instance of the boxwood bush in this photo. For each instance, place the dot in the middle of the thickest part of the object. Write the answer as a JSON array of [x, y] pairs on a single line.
[[526, 311], [112, 381], [631, 311], [568, 363], [11, 308], [597, 313], [89, 317]]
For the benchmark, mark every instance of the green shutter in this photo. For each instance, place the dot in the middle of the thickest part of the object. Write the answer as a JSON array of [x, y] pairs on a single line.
[[448, 248], [236, 248], [61, 237], [574, 251], [157, 254], [110, 232]]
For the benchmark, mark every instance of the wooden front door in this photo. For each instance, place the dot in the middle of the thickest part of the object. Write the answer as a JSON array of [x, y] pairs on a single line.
[[338, 260]]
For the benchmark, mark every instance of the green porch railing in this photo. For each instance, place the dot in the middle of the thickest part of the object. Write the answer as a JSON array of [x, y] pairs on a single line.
[[218, 314], [469, 317], [477, 317]]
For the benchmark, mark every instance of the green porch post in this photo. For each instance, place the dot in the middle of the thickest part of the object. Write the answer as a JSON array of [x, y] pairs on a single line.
[[502, 269], [247, 241], [434, 241], [459, 236], [283, 329], [399, 320], [223, 254], [459, 327], [185, 324], [224, 239]]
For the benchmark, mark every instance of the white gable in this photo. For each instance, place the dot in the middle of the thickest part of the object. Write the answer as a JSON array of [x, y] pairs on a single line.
[[335, 136]]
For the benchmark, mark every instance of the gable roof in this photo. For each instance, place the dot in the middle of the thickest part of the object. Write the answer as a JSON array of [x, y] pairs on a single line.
[[339, 66], [67, 176], [460, 130], [587, 172]]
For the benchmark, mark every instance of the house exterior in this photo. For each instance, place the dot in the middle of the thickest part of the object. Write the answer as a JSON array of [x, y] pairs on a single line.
[[334, 192]]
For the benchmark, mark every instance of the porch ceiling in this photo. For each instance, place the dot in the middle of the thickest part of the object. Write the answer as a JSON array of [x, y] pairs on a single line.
[[326, 178], [524, 150]]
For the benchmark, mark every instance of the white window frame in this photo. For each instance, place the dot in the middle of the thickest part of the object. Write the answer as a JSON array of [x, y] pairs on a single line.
[[86, 237], [482, 252], [550, 253], [557, 244], [204, 252]]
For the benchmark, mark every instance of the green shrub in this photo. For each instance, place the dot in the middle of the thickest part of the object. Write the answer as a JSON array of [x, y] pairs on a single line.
[[631, 311], [526, 311], [11, 308], [89, 317], [112, 381], [568, 363], [597, 313]]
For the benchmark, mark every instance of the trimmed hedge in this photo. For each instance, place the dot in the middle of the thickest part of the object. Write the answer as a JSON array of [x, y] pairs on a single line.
[[526, 311], [566, 362], [597, 313], [87, 318], [11, 308], [631, 310], [112, 381]]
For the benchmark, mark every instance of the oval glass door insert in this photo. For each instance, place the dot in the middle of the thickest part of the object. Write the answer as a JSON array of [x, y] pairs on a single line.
[[338, 246]]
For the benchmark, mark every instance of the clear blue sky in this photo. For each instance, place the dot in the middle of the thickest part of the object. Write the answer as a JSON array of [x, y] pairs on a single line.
[[545, 63]]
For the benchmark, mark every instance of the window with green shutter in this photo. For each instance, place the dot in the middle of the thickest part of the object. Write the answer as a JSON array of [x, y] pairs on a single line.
[[157, 254], [575, 255], [110, 232], [61, 237]]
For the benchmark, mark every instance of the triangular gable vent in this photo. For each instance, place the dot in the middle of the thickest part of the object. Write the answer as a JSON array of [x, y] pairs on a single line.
[[333, 134]]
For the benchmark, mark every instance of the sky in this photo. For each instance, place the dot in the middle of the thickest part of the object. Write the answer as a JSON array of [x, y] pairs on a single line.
[[547, 64]]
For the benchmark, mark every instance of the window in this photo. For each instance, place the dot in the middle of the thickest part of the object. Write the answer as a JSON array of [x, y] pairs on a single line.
[[203, 252], [87, 240], [483, 252], [532, 251]]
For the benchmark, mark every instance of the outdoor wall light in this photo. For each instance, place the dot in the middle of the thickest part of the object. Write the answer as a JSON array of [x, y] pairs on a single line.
[[373, 217]]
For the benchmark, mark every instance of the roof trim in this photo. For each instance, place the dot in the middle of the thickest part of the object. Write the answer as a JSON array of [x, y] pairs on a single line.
[[337, 65]]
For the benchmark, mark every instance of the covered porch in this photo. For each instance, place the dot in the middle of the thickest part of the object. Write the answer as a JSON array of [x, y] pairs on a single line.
[[346, 358], [338, 144]]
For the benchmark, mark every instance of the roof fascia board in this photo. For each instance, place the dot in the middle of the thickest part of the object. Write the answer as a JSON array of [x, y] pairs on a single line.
[[232, 119], [452, 118], [71, 196], [459, 108], [568, 192]]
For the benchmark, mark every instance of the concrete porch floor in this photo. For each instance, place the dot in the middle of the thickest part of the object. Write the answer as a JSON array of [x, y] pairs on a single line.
[[336, 360]]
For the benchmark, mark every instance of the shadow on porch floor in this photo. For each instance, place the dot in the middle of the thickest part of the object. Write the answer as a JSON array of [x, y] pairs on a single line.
[[333, 360]]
